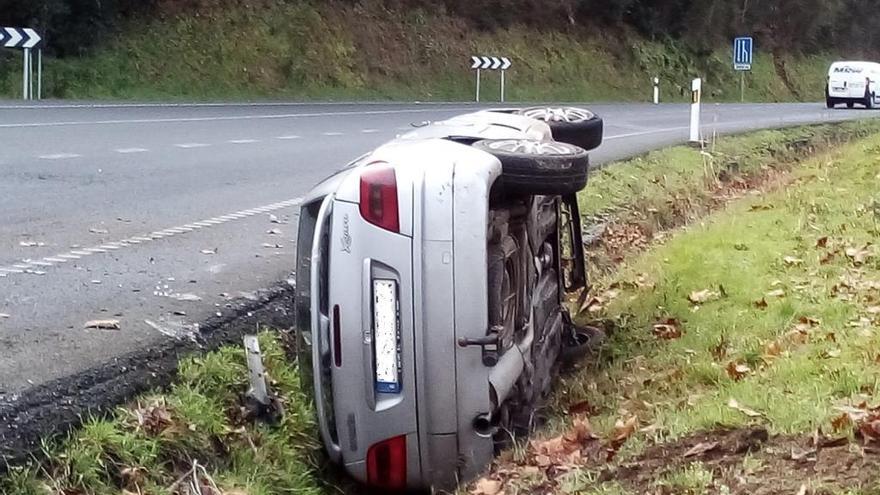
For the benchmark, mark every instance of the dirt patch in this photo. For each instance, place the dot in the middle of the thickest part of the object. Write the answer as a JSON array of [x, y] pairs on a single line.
[[775, 465]]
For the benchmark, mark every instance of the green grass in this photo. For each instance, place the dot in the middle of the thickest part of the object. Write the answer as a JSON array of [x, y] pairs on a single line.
[[336, 51], [807, 352], [197, 420], [680, 385]]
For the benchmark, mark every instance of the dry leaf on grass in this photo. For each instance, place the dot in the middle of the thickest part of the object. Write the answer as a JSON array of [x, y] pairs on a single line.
[[702, 296], [762, 304], [822, 242], [734, 404], [701, 448], [103, 324], [792, 261], [776, 293], [486, 486], [737, 370], [668, 330], [858, 256]]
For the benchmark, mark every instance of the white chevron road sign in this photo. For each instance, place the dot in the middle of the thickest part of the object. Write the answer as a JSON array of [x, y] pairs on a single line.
[[490, 63], [20, 38]]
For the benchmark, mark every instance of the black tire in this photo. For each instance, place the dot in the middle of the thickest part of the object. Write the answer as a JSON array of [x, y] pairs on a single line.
[[571, 125], [539, 168], [850, 104], [829, 104], [869, 101]]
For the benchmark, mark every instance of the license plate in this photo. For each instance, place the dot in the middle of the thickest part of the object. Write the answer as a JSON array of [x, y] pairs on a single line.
[[386, 336]]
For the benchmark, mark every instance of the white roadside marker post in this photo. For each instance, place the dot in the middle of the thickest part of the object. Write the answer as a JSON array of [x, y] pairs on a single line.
[[656, 90], [696, 95]]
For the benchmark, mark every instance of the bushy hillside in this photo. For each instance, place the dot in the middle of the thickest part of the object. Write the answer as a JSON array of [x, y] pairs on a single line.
[[562, 50]]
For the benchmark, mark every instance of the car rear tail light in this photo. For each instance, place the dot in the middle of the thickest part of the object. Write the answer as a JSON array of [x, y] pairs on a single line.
[[337, 338], [386, 464], [379, 197]]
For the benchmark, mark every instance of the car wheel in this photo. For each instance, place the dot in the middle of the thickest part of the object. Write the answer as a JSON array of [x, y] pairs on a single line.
[[869, 101], [539, 167], [850, 104], [571, 125]]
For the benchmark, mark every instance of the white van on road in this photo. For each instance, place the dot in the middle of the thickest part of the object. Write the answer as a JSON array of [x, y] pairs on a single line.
[[852, 83]]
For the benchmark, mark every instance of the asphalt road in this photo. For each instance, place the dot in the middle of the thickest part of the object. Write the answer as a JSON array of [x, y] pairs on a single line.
[[165, 216]]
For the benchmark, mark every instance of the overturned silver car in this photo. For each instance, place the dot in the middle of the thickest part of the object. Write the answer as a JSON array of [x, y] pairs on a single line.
[[431, 279]]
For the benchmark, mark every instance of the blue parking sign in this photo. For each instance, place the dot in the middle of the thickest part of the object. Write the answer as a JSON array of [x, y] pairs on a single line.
[[743, 51]]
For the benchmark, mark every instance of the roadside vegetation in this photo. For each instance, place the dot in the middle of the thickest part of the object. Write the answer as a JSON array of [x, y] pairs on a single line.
[[195, 438], [375, 50], [739, 286]]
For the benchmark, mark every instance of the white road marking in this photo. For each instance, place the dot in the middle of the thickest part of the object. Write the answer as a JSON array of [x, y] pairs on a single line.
[[126, 151], [370, 131], [229, 117], [187, 146], [332, 134], [243, 141], [287, 138], [27, 266], [59, 156]]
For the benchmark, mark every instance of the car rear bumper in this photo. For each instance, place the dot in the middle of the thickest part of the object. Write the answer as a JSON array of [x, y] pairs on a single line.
[[441, 279]]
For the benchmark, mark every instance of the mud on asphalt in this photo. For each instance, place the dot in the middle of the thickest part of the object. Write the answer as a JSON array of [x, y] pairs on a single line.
[[53, 409]]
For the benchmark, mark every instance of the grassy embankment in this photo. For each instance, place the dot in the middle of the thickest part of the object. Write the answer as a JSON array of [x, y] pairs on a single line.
[[333, 50], [741, 290], [195, 433]]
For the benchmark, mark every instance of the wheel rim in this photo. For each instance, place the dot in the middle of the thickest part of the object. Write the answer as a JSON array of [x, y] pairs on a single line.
[[559, 114], [525, 146]]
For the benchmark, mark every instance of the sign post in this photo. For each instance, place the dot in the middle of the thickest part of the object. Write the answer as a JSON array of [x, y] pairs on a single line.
[[28, 40], [656, 90], [743, 55], [491, 63], [696, 97]]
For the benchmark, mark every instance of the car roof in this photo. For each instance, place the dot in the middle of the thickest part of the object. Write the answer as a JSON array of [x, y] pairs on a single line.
[[858, 66]]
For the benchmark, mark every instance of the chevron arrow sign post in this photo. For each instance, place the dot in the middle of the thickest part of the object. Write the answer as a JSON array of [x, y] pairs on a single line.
[[481, 63], [26, 39]]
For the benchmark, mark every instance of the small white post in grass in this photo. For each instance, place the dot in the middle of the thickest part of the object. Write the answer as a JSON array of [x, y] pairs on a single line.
[[696, 96], [656, 90]]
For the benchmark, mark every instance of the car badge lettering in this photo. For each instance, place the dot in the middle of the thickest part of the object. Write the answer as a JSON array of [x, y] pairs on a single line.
[[346, 235]]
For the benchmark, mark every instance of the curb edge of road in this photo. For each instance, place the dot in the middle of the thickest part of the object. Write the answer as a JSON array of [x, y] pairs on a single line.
[[53, 409]]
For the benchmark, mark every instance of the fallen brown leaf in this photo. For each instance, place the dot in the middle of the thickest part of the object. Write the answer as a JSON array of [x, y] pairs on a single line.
[[792, 261], [737, 371], [762, 304], [623, 429], [702, 296], [773, 349], [841, 422], [859, 256], [583, 407], [668, 330], [822, 242], [701, 448], [485, 486]]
